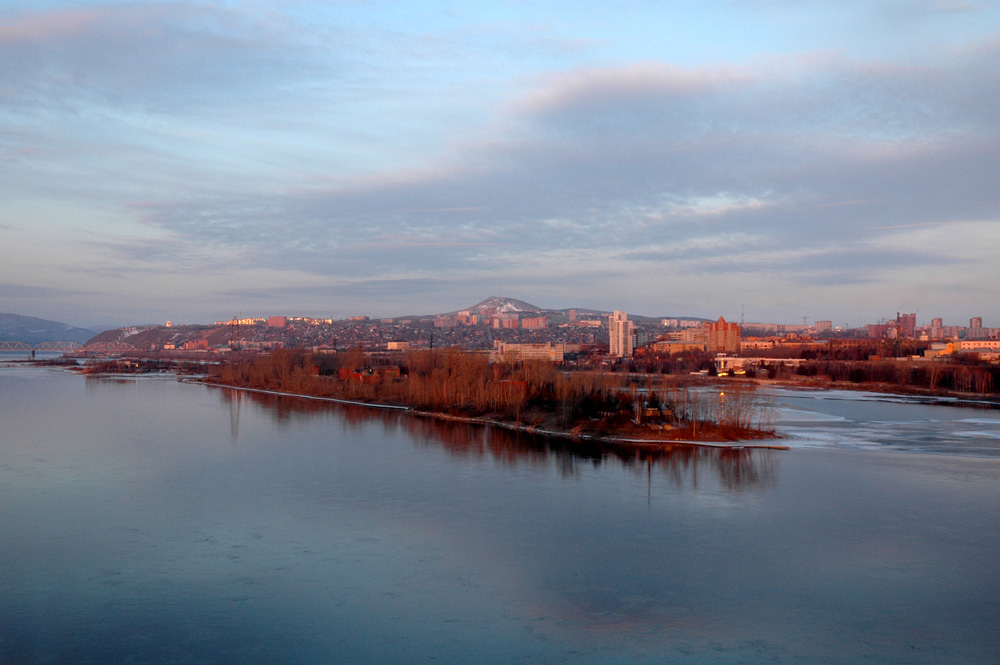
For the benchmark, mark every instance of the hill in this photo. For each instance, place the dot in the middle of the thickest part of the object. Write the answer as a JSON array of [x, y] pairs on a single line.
[[505, 305], [499, 304], [28, 329], [145, 337]]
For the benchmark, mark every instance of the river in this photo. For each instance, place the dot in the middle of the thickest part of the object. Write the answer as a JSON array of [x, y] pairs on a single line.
[[153, 521]]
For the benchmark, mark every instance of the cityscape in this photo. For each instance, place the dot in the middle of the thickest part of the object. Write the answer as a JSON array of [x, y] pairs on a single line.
[[514, 328], [435, 333]]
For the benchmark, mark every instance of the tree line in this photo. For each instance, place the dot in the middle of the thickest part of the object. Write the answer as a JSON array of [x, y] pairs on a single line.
[[964, 377], [538, 393]]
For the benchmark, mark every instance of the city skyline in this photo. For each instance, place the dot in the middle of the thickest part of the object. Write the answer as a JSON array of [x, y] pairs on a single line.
[[493, 312], [188, 161]]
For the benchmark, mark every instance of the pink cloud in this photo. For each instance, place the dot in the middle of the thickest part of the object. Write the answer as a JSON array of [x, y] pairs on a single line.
[[637, 80], [50, 26]]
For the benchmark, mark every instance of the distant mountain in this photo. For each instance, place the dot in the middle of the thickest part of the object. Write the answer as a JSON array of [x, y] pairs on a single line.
[[505, 305], [28, 329]]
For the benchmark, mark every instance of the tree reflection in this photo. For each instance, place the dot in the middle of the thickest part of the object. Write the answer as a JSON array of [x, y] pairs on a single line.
[[682, 465]]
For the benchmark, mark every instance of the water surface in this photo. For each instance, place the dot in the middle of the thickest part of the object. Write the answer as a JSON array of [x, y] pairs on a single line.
[[150, 521]]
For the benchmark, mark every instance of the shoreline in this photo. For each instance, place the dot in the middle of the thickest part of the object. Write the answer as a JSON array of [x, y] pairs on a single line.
[[801, 383], [612, 441], [878, 388]]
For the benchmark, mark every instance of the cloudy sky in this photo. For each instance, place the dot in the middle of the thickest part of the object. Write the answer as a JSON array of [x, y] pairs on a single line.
[[193, 161]]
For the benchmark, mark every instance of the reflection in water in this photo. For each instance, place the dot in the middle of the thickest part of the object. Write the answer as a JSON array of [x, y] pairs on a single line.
[[97, 383], [133, 531], [733, 468], [235, 400]]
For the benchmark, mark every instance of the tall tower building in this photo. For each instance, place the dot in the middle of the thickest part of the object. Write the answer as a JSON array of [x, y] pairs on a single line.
[[723, 337], [620, 332], [976, 328], [906, 324]]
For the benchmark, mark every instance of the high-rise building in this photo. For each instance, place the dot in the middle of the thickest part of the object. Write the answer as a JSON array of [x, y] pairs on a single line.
[[620, 333], [906, 324], [723, 337], [976, 330]]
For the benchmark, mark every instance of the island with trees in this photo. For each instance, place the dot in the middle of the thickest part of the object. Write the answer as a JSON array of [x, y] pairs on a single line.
[[534, 396]]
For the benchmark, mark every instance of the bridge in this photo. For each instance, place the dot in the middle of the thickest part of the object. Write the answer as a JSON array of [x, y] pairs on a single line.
[[99, 349], [96, 349], [58, 347]]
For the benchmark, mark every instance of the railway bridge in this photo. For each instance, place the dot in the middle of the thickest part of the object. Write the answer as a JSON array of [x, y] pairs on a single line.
[[57, 347], [96, 349]]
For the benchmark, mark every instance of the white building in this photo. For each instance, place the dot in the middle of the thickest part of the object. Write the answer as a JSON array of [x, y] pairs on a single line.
[[505, 351], [620, 332], [979, 345]]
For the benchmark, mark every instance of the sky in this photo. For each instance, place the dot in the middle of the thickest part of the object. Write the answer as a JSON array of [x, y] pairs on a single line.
[[767, 159]]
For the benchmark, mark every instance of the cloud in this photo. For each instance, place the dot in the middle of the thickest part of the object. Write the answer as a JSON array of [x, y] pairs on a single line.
[[926, 9], [365, 287], [643, 87], [803, 156], [234, 138], [28, 292], [160, 55]]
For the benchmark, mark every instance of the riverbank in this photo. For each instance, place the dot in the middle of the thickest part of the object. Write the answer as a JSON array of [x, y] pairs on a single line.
[[825, 383], [533, 397]]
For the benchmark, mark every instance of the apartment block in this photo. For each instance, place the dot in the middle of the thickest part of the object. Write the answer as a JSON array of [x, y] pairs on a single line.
[[620, 334]]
